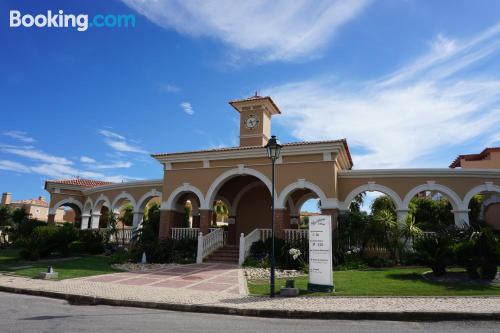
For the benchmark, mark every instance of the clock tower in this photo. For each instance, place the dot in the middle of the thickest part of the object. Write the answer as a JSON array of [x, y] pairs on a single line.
[[255, 119]]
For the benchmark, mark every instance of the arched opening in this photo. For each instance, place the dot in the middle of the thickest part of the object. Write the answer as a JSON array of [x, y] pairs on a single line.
[[435, 207], [308, 208], [185, 206], [99, 218], [67, 211], [483, 203], [250, 206], [71, 213]]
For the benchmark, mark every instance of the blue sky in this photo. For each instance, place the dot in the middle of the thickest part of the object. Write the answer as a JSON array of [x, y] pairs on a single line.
[[408, 83]]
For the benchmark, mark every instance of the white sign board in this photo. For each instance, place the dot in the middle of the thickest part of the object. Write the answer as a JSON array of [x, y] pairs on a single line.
[[320, 253]]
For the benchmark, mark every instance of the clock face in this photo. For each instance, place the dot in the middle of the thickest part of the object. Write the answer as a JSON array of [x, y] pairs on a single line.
[[251, 122]]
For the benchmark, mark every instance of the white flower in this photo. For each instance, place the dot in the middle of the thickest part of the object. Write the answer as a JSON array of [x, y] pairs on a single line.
[[295, 253]]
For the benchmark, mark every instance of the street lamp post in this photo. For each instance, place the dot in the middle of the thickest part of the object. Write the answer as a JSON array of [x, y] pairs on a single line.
[[273, 148]]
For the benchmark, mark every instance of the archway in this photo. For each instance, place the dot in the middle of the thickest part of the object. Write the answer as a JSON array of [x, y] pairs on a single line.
[[184, 204], [249, 201], [435, 206], [147, 207], [483, 203], [71, 212]]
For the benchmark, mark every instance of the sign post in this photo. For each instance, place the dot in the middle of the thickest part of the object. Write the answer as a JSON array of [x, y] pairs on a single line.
[[320, 254]]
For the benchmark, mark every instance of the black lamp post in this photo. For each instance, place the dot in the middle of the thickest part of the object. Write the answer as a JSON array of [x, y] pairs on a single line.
[[273, 148]]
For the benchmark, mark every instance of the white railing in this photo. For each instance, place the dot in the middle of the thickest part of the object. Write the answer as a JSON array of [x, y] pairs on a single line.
[[296, 234], [182, 233], [247, 241], [225, 233], [209, 243], [265, 234], [121, 235]]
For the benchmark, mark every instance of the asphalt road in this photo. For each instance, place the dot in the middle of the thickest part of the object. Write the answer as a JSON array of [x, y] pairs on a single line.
[[21, 313]]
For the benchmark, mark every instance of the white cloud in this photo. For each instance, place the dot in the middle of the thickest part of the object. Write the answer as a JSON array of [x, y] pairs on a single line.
[[268, 30], [86, 159], [187, 108], [19, 135], [13, 166], [36, 155], [112, 135], [116, 165], [170, 88], [120, 143], [426, 106]]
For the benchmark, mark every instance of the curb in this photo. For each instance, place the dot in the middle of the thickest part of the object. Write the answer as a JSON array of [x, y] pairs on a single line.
[[267, 313]]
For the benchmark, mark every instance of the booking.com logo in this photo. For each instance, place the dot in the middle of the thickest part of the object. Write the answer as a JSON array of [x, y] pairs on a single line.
[[61, 20]]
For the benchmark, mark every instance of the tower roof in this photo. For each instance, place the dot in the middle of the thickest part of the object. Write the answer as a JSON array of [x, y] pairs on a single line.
[[246, 104]]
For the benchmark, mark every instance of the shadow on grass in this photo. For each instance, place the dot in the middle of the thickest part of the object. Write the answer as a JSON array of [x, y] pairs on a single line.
[[449, 286]]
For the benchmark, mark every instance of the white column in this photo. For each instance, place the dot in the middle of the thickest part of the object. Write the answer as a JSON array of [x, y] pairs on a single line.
[[461, 218], [242, 258], [95, 220], [401, 215], [199, 253], [85, 221], [138, 216]]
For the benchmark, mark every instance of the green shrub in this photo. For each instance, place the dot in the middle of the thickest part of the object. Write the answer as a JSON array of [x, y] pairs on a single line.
[[379, 262], [63, 237], [119, 257], [92, 240], [40, 243], [435, 251], [477, 253]]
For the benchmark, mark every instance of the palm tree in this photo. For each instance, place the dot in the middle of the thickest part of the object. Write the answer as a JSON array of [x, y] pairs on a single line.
[[357, 202]]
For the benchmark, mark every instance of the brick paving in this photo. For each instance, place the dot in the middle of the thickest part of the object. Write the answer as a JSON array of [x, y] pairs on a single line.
[[172, 289], [216, 277]]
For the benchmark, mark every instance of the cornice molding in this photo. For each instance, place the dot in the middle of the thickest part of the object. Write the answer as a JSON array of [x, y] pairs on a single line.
[[425, 173]]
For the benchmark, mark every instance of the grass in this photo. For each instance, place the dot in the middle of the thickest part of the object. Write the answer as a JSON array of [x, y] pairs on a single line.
[[67, 268], [383, 282]]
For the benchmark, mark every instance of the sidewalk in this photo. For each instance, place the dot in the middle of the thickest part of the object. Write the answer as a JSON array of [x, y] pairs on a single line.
[[85, 291]]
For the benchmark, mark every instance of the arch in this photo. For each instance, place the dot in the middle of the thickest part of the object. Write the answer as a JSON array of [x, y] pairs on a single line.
[[141, 203], [295, 210], [87, 207], [100, 201], [241, 193], [225, 176], [454, 199], [486, 187], [67, 201], [122, 195], [299, 185], [184, 188], [371, 186]]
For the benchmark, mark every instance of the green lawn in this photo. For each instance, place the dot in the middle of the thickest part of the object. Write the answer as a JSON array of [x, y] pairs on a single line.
[[382, 282], [67, 268]]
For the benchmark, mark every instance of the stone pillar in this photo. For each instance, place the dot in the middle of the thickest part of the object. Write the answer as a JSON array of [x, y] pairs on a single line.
[[205, 220], [167, 218], [137, 220], [231, 230], [401, 215], [461, 218], [85, 221], [95, 220], [334, 214], [280, 222], [51, 219], [196, 221]]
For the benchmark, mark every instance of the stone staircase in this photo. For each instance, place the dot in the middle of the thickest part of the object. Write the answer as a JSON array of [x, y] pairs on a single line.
[[228, 254]]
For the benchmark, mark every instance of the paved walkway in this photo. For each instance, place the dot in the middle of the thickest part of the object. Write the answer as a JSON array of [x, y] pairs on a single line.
[[227, 301], [222, 278]]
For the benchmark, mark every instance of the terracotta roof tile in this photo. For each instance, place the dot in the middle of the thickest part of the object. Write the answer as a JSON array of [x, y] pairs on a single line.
[[80, 182], [300, 143], [473, 157]]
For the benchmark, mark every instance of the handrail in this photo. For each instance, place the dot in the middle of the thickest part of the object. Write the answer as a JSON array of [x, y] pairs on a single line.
[[296, 234], [182, 233], [209, 243], [247, 241]]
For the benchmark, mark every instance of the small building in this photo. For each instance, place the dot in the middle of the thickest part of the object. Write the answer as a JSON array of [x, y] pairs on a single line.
[[37, 208]]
